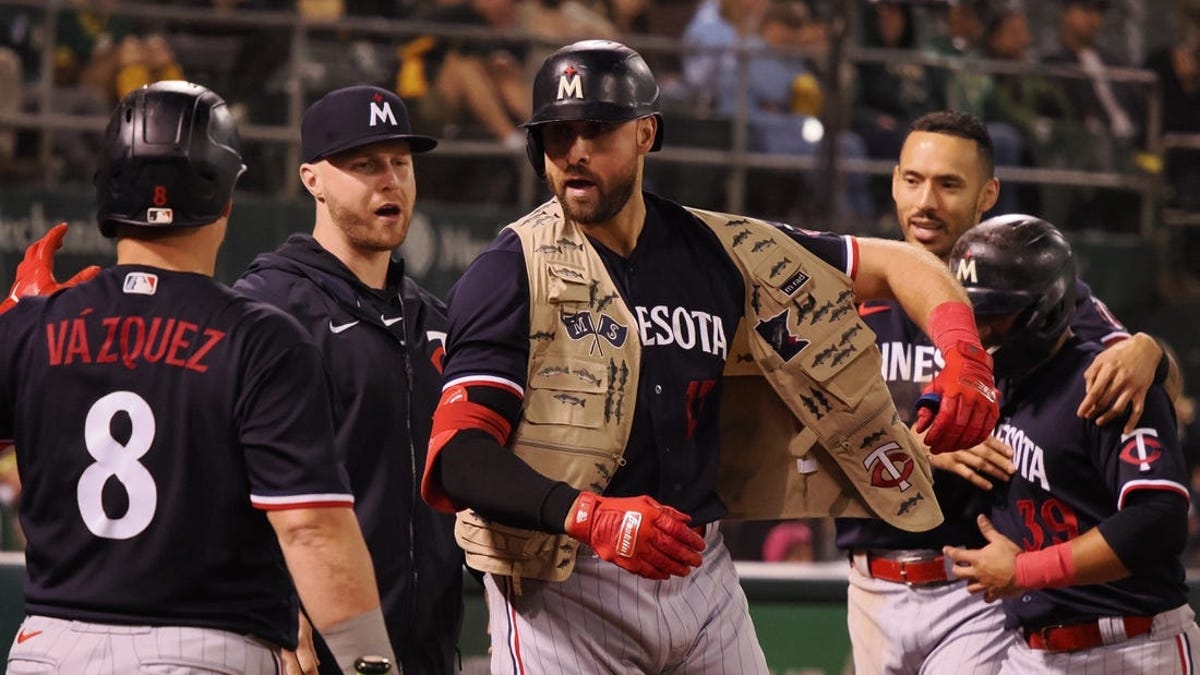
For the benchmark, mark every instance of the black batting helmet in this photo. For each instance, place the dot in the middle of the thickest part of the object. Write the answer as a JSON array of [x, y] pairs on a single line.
[[171, 157], [1019, 264], [594, 80]]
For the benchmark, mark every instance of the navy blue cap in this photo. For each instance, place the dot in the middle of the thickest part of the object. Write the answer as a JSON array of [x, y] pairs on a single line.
[[355, 116]]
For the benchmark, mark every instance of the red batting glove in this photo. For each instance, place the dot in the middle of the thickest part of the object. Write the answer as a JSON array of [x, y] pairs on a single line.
[[969, 404], [35, 274], [637, 534]]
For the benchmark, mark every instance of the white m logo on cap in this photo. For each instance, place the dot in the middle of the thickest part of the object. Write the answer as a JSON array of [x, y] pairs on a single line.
[[966, 270], [570, 85], [382, 113]]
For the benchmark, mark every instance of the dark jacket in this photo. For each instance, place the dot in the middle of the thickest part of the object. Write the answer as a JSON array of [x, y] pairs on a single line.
[[385, 395]]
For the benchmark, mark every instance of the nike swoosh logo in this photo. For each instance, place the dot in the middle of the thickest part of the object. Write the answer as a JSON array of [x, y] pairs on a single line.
[[23, 636], [342, 328], [388, 322], [875, 309]]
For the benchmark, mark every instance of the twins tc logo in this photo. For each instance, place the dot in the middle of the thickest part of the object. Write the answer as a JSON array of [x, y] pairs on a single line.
[[570, 84], [889, 469], [581, 325], [1141, 448]]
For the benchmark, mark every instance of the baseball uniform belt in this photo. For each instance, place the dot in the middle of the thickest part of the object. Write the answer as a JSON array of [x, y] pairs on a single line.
[[927, 568], [1096, 633]]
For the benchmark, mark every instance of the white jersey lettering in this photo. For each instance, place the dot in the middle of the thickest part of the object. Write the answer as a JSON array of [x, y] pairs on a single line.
[[690, 329]]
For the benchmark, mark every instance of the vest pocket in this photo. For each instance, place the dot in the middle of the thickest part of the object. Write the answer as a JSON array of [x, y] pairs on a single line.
[[580, 467]]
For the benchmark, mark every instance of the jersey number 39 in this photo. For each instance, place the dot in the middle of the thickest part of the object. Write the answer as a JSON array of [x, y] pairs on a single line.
[[120, 461]]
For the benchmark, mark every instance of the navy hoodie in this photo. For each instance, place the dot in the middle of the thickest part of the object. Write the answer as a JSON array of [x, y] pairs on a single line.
[[383, 351]]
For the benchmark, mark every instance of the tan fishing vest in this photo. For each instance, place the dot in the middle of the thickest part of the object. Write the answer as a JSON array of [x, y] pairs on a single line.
[[807, 425]]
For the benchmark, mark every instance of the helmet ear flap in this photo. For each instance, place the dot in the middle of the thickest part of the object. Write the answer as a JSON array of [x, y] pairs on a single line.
[[535, 152]]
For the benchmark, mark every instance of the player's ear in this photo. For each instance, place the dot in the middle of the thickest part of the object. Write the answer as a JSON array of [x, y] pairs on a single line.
[[311, 181], [988, 195], [647, 130]]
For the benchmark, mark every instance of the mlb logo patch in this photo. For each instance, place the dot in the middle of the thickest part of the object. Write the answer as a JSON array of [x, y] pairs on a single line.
[[140, 283], [160, 216]]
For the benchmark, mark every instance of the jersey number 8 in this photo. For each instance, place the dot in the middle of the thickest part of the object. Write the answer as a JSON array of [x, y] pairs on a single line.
[[120, 461]]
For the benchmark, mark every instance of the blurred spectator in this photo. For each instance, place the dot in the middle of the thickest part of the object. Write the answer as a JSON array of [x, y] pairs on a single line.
[[87, 47], [630, 17], [784, 103], [712, 37], [1178, 69], [963, 34], [10, 492], [1022, 110], [11, 91], [891, 94], [558, 22], [144, 61], [790, 541], [483, 77], [1099, 103], [1104, 129]]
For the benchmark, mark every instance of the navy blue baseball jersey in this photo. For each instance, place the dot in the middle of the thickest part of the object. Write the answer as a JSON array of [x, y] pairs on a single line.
[[688, 298], [909, 363], [156, 414], [1072, 474]]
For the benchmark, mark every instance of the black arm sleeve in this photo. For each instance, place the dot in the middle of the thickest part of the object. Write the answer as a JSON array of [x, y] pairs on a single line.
[[500, 486], [1161, 512]]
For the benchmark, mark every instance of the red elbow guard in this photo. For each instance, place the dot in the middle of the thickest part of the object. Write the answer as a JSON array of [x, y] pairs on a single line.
[[455, 413]]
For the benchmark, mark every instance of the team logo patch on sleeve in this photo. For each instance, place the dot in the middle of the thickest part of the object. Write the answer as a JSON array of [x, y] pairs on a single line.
[[781, 339], [1141, 448], [889, 466], [141, 283]]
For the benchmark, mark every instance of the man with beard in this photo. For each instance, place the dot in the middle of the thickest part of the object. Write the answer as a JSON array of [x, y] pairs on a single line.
[[942, 184], [381, 338], [604, 347]]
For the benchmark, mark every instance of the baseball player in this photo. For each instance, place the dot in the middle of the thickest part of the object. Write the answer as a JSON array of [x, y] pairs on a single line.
[[1088, 533], [381, 337], [942, 184], [586, 392], [173, 437]]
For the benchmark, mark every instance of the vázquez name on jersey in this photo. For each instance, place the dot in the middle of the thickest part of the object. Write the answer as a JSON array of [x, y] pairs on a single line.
[[130, 341]]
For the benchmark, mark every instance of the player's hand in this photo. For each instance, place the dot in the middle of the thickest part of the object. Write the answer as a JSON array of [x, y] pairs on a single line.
[[35, 274], [304, 660], [1119, 377], [991, 458], [637, 534], [991, 570], [969, 406]]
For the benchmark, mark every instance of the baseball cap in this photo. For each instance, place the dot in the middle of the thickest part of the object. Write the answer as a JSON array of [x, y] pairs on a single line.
[[355, 116]]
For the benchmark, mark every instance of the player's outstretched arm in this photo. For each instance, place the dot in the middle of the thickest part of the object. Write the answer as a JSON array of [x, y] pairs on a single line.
[[967, 404], [636, 534], [331, 568], [35, 273], [1001, 569], [1119, 377]]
